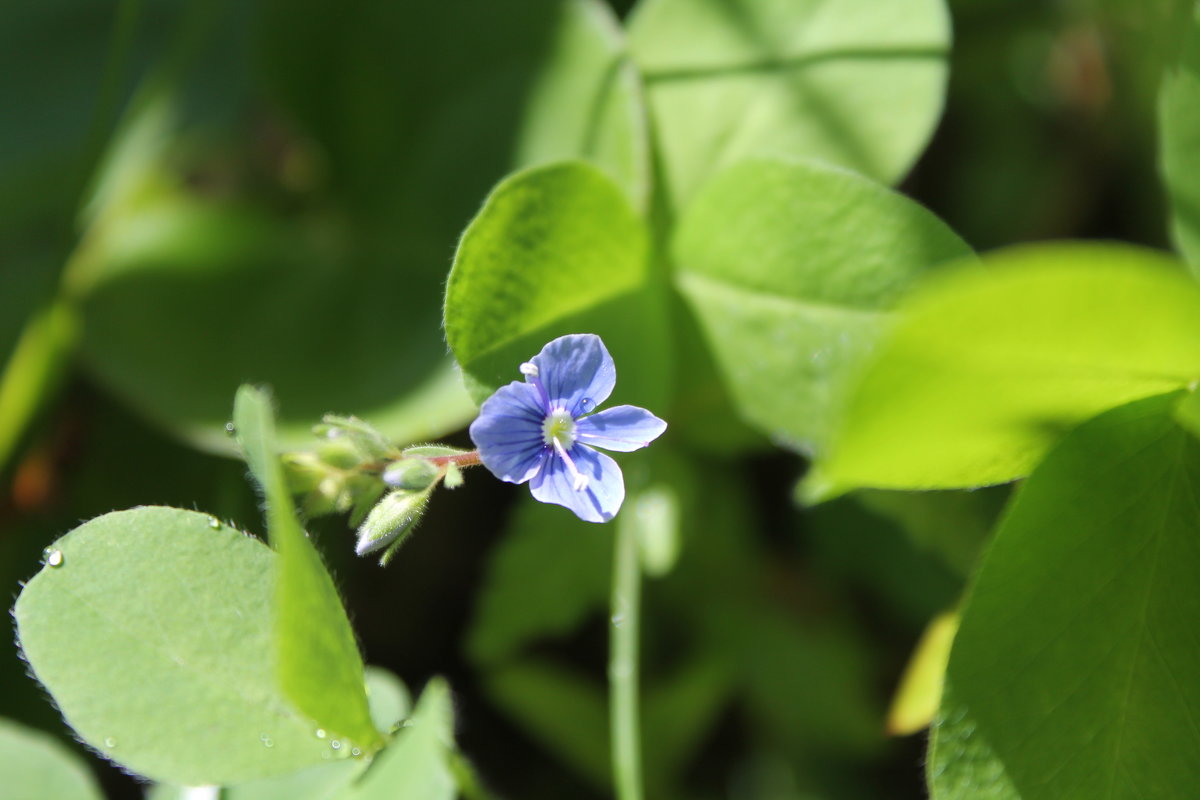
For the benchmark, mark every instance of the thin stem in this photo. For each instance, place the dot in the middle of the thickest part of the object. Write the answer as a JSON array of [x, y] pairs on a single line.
[[625, 730], [470, 459]]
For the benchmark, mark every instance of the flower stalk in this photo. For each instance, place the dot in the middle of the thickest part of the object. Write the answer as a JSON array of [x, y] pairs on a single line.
[[623, 671]]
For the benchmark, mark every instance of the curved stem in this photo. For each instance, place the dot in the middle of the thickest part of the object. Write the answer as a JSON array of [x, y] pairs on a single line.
[[624, 720]]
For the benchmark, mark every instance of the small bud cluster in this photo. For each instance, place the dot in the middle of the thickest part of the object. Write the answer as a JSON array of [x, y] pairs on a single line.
[[385, 489]]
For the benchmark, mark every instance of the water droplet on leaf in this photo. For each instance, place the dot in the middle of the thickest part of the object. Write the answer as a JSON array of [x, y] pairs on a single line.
[[230, 429], [355, 752], [618, 620], [53, 558], [320, 733], [335, 744], [110, 742], [214, 523]]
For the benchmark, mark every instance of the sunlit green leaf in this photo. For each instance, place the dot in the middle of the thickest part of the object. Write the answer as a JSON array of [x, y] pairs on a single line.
[[857, 82], [33, 371], [390, 703], [319, 665], [1179, 141], [36, 766], [1077, 646], [154, 636], [985, 370], [389, 697], [555, 250], [586, 101], [414, 764], [788, 266]]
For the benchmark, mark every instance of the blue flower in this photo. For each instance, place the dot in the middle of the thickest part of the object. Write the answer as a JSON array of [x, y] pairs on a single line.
[[543, 431]]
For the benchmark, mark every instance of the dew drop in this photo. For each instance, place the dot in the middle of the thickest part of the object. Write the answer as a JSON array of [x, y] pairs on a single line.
[[52, 557], [586, 404], [214, 523], [320, 733], [618, 619], [110, 742], [336, 744], [355, 752], [230, 429]]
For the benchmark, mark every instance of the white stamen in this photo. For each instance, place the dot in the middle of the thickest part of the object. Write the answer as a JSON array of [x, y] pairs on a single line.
[[530, 369], [579, 480]]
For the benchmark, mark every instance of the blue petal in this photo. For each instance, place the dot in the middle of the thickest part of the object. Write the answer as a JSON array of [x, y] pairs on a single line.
[[508, 432], [602, 498], [575, 368], [620, 428]]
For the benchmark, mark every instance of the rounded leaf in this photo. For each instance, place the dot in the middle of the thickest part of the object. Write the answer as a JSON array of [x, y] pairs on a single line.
[[151, 629], [857, 82]]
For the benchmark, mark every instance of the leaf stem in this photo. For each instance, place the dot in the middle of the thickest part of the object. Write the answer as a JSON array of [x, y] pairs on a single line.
[[623, 664]]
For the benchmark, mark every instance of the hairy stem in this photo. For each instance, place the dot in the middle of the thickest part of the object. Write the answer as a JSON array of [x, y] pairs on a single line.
[[623, 664], [470, 459]]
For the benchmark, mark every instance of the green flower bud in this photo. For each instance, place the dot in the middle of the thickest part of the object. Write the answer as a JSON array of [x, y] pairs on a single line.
[[303, 471], [391, 520], [340, 452], [410, 473], [370, 443], [454, 477]]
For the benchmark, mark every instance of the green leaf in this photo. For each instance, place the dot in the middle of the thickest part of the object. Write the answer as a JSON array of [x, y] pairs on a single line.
[[1179, 142], [322, 782], [390, 698], [36, 766], [1187, 412], [555, 250], [35, 367], [984, 371], [390, 703], [318, 264], [1077, 648], [788, 267], [320, 668], [546, 575], [961, 764], [585, 101], [858, 83], [154, 636], [414, 765]]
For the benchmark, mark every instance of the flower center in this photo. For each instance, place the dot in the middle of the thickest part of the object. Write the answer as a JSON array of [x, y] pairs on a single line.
[[559, 427]]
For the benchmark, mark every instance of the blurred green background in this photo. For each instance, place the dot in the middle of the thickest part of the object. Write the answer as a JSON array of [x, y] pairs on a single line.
[[197, 194]]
